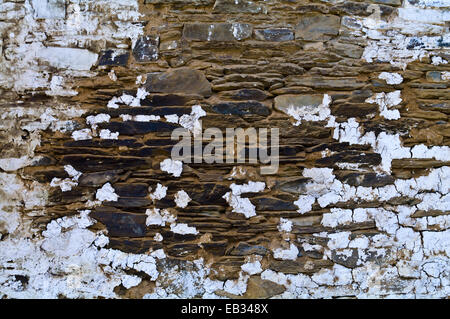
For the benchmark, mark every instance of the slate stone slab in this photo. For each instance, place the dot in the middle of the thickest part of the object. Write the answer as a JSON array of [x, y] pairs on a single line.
[[222, 32], [247, 94], [182, 80], [114, 58], [146, 49], [275, 35], [242, 108], [317, 27], [238, 6]]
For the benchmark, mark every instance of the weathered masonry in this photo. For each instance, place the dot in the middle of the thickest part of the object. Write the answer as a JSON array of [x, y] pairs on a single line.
[[92, 204]]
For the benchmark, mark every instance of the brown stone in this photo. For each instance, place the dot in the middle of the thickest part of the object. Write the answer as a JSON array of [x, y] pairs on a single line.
[[317, 27], [182, 80]]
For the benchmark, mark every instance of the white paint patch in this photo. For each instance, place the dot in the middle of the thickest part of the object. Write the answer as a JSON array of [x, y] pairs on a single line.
[[155, 216], [385, 102], [146, 118], [128, 99], [391, 78], [159, 254], [108, 135], [285, 225], [68, 58], [192, 122], [93, 120], [337, 217], [311, 113], [183, 229], [238, 286], [175, 168], [172, 118], [286, 254], [304, 203], [107, 194], [252, 268], [130, 281], [243, 205], [14, 164], [68, 183], [112, 75], [159, 193], [81, 135], [182, 199], [437, 60]]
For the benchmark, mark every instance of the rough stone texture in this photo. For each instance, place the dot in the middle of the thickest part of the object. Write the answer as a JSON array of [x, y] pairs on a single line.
[[182, 80], [220, 32], [314, 27], [91, 206], [276, 35], [146, 49]]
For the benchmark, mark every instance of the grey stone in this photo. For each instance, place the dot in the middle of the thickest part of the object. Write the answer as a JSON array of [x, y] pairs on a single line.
[[182, 80], [296, 185], [146, 49], [343, 259], [49, 9], [317, 27], [237, 6], [284, 102], [97, 179], [217, 31], [348, 50], [242, 108], [247, 94], [343, 83], [275, 35], [434, 76]]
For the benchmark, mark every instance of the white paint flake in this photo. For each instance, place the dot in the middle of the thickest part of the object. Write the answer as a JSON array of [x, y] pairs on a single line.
[[391, 78], [175, 168], [182, 199], [183, 229], [80, 135], [159, 193], [108, 135], [243, 205], [311, 113], [192, 122], [285, 225], [155, 216], [93, 120], [107, 193], [286, 254], [386, 102], [252, 267]]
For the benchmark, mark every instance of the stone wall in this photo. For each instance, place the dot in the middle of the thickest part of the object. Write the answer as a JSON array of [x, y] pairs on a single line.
[[91, 205]]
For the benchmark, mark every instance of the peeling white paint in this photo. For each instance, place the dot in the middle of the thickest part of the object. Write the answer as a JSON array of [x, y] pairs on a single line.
[[183, 229], [243, 205], [108, 135], [159, 193], [286, 254], [106, 193], [182, 199], [391, 78], [175, 168]]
